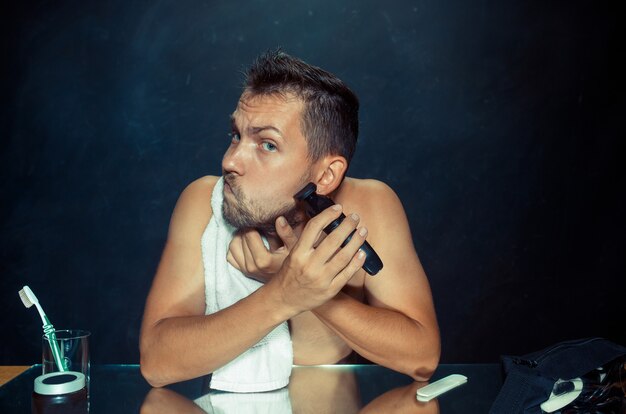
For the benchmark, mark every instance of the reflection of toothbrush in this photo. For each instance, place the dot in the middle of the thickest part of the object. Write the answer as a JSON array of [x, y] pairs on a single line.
[[29, 299]]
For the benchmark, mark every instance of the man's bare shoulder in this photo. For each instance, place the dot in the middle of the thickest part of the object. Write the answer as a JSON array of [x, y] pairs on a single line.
[[193, 209], [202, 187], [367, 195], [378, 205]]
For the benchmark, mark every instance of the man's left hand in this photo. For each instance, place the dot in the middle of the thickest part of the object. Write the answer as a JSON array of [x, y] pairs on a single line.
[[248, 254]]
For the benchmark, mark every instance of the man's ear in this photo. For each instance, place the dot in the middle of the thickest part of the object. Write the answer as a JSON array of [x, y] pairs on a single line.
[[330, 172]]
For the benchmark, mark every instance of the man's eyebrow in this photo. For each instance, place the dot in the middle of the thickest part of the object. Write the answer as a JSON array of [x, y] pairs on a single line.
[[256, 130]]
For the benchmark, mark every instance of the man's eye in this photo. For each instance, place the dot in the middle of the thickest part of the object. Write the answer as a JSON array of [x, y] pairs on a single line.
[[268, 146], [234, 136]]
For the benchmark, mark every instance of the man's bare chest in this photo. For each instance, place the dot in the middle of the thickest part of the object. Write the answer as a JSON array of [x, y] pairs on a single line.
[[314, 342]]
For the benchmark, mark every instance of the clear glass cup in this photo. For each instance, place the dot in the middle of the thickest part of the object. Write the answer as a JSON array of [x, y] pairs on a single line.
[[73, 347]]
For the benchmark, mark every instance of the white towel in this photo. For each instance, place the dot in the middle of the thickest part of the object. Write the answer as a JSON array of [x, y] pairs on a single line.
[[267, 365], [272, 402]]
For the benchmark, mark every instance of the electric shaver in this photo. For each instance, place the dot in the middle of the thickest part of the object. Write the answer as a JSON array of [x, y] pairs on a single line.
[[316, 203]]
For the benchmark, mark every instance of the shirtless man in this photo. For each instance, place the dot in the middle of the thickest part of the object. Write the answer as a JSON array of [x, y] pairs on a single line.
[[293, 124]]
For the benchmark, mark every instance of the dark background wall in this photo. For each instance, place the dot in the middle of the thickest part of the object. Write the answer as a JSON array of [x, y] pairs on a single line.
[[497, 123]]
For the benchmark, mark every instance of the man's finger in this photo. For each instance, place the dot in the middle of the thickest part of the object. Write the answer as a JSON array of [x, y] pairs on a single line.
[[231, 259], [346, 254], [346, 274], [255, 250], [248, 256], [235, 251], [336, 239], [285, 232], [316, 225], [254, 242]]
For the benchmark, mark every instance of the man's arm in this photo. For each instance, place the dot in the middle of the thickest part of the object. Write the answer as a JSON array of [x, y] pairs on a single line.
[[179, 342], [397, 328]]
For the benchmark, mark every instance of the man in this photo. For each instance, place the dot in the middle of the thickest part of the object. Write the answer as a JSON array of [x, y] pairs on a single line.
[[293, 124]]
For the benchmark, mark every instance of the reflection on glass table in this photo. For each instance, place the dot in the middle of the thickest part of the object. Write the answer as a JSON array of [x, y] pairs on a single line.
[[324, 389], [310, 390]]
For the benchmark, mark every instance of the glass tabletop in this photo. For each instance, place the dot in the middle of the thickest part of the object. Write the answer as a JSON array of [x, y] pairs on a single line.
[[319, 389]]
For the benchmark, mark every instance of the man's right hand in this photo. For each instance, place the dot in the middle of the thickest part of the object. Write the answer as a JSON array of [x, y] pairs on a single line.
[[311, 275]]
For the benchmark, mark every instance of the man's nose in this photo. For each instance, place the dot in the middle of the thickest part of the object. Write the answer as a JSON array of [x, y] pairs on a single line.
[[234, 160]]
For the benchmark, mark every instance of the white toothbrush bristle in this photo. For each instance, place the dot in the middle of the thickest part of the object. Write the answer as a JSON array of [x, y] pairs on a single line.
[[28, 297], [25, 300]]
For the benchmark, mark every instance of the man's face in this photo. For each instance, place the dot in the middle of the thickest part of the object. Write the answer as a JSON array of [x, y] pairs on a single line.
[[266, 163]]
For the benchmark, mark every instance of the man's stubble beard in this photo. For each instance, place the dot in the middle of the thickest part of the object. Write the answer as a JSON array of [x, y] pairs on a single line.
[[244, 213]]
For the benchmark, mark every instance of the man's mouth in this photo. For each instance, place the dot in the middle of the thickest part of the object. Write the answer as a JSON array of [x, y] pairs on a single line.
[[227, 186]]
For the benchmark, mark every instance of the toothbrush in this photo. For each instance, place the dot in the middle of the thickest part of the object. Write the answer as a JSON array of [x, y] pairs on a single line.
[[29, 299]]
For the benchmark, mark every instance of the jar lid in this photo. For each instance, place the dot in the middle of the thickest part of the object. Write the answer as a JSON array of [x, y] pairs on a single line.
[[56, 383]]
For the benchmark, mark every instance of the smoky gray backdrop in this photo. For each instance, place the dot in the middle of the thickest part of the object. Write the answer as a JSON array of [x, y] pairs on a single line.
[[497, 123]]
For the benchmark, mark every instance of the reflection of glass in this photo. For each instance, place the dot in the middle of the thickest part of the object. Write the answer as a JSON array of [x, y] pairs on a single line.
[[74, 350], [331, 389]]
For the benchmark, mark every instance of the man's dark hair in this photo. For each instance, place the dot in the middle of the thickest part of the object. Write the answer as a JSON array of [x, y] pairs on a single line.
[[330, 119]]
